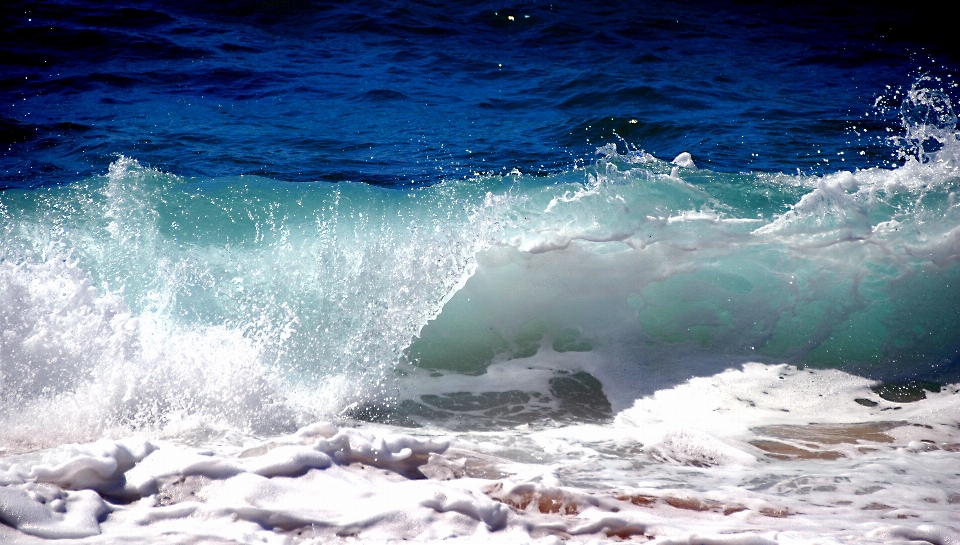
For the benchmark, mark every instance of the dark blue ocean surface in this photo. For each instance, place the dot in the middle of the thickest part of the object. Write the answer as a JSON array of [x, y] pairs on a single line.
[[397, 93]]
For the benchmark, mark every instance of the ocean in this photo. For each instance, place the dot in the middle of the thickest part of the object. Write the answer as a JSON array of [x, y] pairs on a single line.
[[291, 272]]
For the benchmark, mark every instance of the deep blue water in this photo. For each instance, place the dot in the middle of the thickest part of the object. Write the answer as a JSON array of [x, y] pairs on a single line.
[[396, 93]]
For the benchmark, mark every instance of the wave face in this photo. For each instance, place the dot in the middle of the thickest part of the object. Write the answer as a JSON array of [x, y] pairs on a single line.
[[641, 273], [656, 266], [142, 299]]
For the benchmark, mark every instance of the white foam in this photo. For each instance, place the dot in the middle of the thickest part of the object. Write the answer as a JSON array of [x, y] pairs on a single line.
[[684, 160], [666, 469], [51, 513]]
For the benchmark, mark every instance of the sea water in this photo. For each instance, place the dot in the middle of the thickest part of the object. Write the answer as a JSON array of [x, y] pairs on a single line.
[[297, 273]]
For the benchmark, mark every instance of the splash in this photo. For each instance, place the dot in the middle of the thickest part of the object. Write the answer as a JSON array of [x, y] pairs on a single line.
[[143, 300], [929, 124]]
